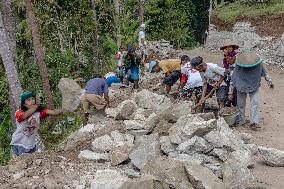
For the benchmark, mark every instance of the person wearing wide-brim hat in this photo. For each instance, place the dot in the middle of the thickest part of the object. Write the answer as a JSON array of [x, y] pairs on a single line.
[[229, 48], [246, 79]]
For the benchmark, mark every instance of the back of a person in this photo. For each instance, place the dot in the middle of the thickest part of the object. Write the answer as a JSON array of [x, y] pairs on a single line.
[[193, 76], [170, 65], [140, 36], [96, 86], [213, 73]]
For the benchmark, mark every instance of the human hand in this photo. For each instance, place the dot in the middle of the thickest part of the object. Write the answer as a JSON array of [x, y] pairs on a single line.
[[216, 85]]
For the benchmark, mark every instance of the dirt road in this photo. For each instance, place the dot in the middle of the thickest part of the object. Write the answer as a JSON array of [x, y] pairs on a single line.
[[271, 119]]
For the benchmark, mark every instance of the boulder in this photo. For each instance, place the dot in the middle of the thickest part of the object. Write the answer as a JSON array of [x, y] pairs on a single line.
[[125, 110], [280, 47], [168, 170], [145, 182], [236, 175], [71, 94], [131, 173], [88, 128], [195, 145], [144, 152], [119, 155], [202, 178], [148, 100], [215, 168], [166, 145], [108, 179], [103, 144], [272, 156], [180, 133], [133, 125], [89, 155], [243, 157], [118, 138]]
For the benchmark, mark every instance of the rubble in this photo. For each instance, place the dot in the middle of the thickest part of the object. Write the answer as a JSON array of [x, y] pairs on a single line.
[[271, 156]]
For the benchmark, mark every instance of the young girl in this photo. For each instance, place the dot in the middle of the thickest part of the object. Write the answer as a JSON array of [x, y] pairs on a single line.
[[28, 122]]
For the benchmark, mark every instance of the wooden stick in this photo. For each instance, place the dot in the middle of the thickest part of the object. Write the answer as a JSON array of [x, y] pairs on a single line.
[[198, 104]]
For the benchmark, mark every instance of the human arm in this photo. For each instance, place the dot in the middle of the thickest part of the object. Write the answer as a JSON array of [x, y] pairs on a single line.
[[54, 112], [29, 112], [222, 72], [267, 77]]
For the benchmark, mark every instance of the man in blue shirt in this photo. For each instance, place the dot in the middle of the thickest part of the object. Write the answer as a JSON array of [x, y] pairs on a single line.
[[97, 94]]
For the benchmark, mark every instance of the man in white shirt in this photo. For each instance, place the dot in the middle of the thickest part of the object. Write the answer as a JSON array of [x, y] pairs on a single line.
[[213, 77], [142, 43]]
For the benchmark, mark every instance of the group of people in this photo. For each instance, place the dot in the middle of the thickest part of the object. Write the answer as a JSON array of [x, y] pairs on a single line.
[[239, 76]]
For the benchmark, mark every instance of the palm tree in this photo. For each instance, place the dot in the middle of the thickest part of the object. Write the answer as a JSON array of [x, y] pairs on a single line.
[[39, 53]]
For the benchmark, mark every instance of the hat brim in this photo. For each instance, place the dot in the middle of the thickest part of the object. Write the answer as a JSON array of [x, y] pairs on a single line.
[[234, 47], [248, 60]]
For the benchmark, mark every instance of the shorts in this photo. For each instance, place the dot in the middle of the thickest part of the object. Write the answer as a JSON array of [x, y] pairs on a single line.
[[222, 93], [97, 100], [134, 72], [187, 92], [171, 79], [18, 150]]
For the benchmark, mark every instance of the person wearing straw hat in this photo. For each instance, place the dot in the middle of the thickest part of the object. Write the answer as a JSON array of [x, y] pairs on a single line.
[[229, 48], [246, 79]]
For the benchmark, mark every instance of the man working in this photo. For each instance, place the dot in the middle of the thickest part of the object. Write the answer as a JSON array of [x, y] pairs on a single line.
[[171, 69], [97, 94], [132, 62], [142, 43]]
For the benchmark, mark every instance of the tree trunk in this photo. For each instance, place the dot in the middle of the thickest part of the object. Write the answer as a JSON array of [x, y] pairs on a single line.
[[117, 22], [210, 11], [10, 66], [39, 53], [95, 38], [142, 10]]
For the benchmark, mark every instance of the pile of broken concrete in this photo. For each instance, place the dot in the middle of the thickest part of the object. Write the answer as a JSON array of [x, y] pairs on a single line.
[[163, 145]]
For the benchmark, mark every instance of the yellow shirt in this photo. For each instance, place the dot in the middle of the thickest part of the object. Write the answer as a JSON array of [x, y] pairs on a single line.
[[170, 65]]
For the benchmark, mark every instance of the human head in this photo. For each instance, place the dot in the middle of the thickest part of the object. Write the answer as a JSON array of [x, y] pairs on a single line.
[[131, 50], [184, 59], [28, 99], [97, 76], [228, 46], [154, 66], [198, 64]]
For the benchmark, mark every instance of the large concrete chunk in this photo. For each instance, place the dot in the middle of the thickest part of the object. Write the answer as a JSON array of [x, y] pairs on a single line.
[[119, 155], [168, 170], [71, 94], [148, 100], [271, 156], [144, 152], [195, 145], [126, 109], [133, 125], [166, 145], [103, 144], [145, 182], [236, 175], [202, 178], [89, 155], [108, 179]]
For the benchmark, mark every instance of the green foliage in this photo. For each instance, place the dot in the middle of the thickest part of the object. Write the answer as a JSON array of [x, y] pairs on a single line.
[[6, 130], [55, 131], [230, 12]]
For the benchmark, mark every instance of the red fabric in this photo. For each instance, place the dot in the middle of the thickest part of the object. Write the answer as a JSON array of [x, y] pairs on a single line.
[[19, 115], [183, 78], [42, 114]]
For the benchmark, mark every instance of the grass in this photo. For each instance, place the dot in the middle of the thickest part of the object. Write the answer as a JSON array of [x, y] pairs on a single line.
[[230, 12]]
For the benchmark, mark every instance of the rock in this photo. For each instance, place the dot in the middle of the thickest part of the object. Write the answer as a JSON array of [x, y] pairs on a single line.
[[133, 125], [196, 158], [181, 108], [148, 100], [89, 155], [132, 173], [245, 137], [151, 122], [125, 110], [166, 145], [108, 179], [280, 47], [252, 148], [145, 182], [272, 156], [143, 153], [88, 128], [71, 94], [138, 133], [195, 145], [119, 155], [215, 168], [236, 175], [243, 157], [118, 138], [176, 131], [75, 139], [168, 170], [103, 144], [222, 153], [202, 178]]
